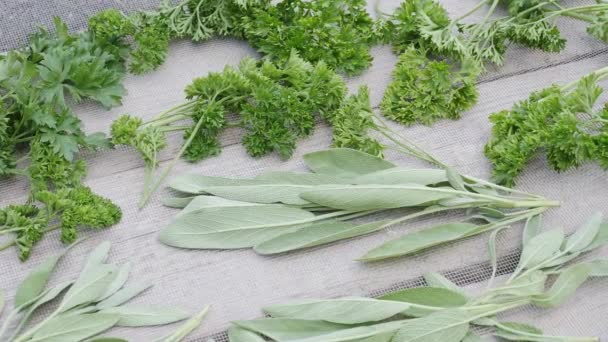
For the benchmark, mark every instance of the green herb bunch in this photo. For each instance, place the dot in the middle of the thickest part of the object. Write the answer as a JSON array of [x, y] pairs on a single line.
[[86, 306], [40, 136], [143, 37], [560, 121], [338, 32], [443, 311], [444, 56], [278, 212], [274, 103]]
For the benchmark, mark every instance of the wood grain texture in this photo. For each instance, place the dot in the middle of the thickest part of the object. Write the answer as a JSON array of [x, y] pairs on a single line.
[[239, 283]]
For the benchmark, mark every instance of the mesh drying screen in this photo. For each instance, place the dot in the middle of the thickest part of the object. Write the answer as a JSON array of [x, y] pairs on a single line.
[[239, 283]]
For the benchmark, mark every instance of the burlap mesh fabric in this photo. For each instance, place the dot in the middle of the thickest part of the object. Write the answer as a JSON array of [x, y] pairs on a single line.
[[239, 283]]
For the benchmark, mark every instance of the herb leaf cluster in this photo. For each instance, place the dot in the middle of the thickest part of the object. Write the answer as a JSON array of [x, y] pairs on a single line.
[[95, 301], [40, 135], [443, 57], [278, 212], [560, 121], [442, 311]]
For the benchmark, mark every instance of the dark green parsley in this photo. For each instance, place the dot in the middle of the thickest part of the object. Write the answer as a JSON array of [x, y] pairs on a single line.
[[338, 32], [560, 121]]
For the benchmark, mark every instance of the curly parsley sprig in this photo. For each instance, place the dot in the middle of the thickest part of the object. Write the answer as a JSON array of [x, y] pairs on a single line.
[[558, 120], [443, 57]]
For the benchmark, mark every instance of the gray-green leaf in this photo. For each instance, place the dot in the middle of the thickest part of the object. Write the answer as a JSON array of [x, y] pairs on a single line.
[[121, 278], [315, 235], [92, 283], [196, 184], [584, 236], [35, 282], [455, 179], [415, 242], [426, 300], [352, 310], [532, 228], [123, 295], [397, 175], [445, 326], [301, 178], [238, 334], [540, 248], [145, 315], [177, 202], [600, 239], [565, 285], [372, 197], [434, 279], [187, 327], [232, 227], [343, 162], [74, 328], [517, 331]]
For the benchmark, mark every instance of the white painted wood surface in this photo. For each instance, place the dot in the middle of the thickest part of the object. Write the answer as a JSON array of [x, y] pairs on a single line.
[[238, 283]]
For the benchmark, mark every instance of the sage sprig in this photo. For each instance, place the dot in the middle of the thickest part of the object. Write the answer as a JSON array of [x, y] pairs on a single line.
[[86, 306], [442, 311], [278, 212]]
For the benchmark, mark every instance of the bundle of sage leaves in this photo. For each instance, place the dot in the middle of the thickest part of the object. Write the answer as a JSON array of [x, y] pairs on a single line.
[[91, 304], [278, 212], [443, 311]]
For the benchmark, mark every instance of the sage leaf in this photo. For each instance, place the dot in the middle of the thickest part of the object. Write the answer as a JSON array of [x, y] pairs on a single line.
[[107, 339], [196, 184], [492, 253], [362, 333], [540, 248], [301, 178], [237, 334], [373, 197], [187, 327], [290, 329], [532, 228], [455, 179], [584, 236], [207, 202], [268, 193], [397, 175], [145, 315], [561, 260], [177, 202], [415, 242], [42, 299], [121, 278], [600, 239], [97, 257], [426, 300], [232, 227], [381, 337], [529, 284], [315, 235], [36, 281], [434, 279], [565, 285], [123, 295], [73, 328], [518, 331], [344, 162], [351, 310], [445, 326], [92, 283]]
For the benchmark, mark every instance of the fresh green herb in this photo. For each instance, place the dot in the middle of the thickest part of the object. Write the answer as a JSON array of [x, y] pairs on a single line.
[[558, 120], [37, 125], [442, 57], [338, 32], [442, 311], [282, 211], [90, 304], [275, 104]]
